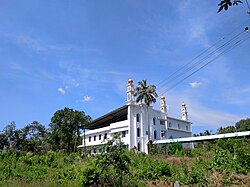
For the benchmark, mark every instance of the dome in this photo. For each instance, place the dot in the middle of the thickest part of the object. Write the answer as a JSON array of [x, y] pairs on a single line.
[[130, 81]]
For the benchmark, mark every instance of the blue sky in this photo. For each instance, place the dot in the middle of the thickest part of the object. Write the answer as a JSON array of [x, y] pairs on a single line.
[[80, 54]]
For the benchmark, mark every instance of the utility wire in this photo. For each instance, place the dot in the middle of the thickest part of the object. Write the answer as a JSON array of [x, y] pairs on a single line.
[[192, 66], [247, 5], [189, 62], [159, 85], [237, 43]]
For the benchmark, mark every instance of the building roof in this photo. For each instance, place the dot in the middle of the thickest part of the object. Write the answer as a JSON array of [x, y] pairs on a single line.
[[203, 138], [116, 115]]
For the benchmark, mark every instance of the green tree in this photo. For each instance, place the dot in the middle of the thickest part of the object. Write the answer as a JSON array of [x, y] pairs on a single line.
[[65, 128], [3, 141], [243, 125], [228, 129], [147, 94], [114, 156], [14, 136], [34, 137]]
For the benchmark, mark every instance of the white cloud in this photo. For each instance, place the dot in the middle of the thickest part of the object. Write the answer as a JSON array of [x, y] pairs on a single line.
[[61, 90], [86, 98], [195, 84]]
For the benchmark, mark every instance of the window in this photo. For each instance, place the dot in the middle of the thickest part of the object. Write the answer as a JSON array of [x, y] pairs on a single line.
[[155, 134], [162, 122], [94, 150], [154, 121], [100, 136], [138, 132], [123, 134], [163, 134], [94, 138], [138, 146], [186, 127], [90, 139], [169, 124], [179, 126], [105, 136], [137, 117]]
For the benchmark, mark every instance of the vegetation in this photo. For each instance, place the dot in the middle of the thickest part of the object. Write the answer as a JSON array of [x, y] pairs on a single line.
[[225, 4], [27, 158], [147, 94], [227, 164]]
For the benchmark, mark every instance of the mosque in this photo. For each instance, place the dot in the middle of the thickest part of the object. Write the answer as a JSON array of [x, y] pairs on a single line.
[[137, 124]]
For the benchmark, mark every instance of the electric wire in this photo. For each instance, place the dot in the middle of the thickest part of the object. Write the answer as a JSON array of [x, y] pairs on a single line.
[[248, 5], [194, 65], [224, 52], [159, 85], [236, 44]]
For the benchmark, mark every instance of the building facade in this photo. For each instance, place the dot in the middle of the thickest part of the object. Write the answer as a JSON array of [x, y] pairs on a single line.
[[137, 124]]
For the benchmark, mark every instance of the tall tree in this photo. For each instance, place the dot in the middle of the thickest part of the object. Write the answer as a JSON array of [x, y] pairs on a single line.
[[14, 136], [243, 125], [65, 128], [34, 137], [147, 94], [3, 141]]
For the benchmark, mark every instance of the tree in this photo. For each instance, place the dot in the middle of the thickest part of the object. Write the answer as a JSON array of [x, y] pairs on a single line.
[[65, 128], [14, 136], [34, 137], [114, 155], [147, 94], [228, 129], [243, 125], [3, 141], [225, 4]]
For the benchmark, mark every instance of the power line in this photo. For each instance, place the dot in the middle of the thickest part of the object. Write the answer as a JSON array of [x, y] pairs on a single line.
[[190, 62], [239, 42], [200, 61]]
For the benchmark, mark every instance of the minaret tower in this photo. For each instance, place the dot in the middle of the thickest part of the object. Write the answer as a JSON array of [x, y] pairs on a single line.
[[130, 92], [163, 106], [184, 113]]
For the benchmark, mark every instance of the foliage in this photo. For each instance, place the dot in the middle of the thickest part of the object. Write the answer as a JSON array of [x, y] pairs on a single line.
[[148, 168], [243, 125], [224, 4], [146, 93], [14, 136], [231, 155], [228, 129], [65, 128], [175, 149], [34, 137]]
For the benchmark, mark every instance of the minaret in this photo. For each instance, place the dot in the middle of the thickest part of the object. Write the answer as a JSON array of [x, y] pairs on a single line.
[[184, 113], [163, 106], [130, 92]]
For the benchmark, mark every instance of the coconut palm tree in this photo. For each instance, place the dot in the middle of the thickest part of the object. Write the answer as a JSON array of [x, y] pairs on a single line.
[[147, 94]]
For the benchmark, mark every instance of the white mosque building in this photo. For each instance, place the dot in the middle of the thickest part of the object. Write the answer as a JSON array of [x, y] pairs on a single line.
[[137, 124]]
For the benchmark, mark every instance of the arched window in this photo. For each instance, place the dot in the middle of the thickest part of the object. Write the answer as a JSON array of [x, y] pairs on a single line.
[[137, 117], [154, 122]]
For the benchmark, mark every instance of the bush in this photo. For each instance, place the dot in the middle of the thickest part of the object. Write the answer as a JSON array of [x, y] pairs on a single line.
[[90, 176]]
